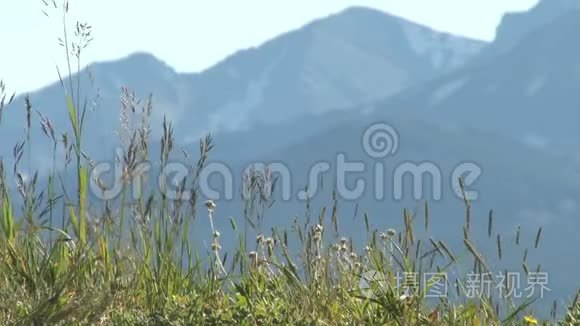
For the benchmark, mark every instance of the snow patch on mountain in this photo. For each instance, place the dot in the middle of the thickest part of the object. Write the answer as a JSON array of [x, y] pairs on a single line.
[[445, 51], [536, 141], [236, 114], [536, 85], [447, 90], [329, 83]]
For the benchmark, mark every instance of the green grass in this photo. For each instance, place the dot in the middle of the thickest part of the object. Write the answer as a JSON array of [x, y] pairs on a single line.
[[63, 261]]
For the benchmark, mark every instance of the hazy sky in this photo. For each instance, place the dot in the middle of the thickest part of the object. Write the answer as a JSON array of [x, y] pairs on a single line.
[[191, 35]]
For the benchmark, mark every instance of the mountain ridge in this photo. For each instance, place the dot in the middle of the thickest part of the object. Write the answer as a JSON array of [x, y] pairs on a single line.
[[355, 56]]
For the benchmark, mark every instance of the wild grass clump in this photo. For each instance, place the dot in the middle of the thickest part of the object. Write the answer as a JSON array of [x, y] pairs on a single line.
[[65, 259]]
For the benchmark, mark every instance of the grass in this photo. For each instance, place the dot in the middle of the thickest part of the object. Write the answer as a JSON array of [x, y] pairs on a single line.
[[66, 261]]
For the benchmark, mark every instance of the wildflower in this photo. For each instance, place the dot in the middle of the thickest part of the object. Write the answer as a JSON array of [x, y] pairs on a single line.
[[210, 204], [210, 210], [260, 239], [434, 316], [318, 228], [406, 298], [253, 256], [335, 247], [269, 242], [317, 233], [353, 255], [179, 299], [215, 246], [388, 235], [343, 241], [530, 320], [343, 248], [216, 234], [316, 237], [368, 249]]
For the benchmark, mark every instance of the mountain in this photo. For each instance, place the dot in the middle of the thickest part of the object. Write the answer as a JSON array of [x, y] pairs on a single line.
[[100, 94], [530, 93], [347, 58], [515, 26]]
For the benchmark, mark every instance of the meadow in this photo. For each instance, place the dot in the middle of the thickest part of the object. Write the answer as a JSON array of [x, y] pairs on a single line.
[[65, 259]]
